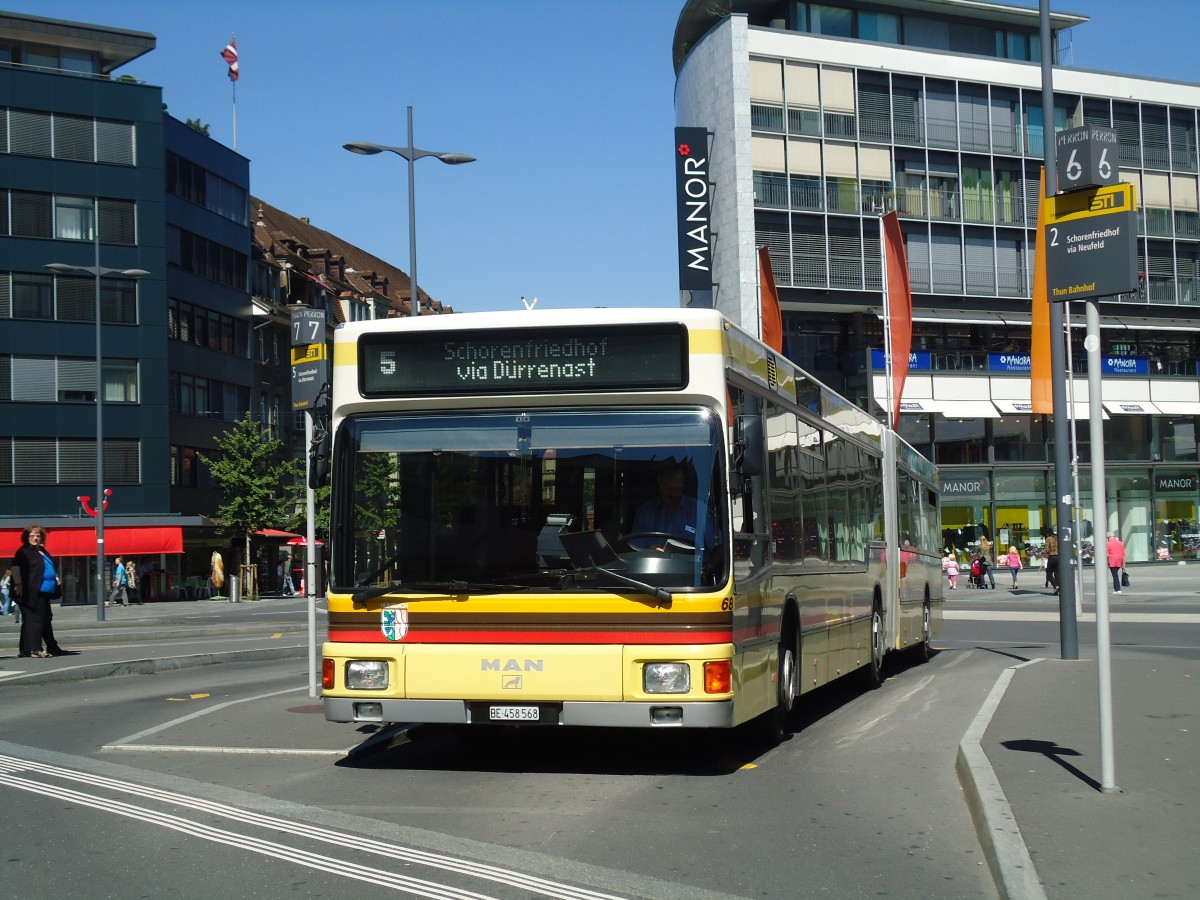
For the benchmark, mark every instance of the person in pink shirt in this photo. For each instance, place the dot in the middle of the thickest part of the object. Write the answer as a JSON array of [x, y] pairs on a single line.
[[1116, 560], [1013, 560]]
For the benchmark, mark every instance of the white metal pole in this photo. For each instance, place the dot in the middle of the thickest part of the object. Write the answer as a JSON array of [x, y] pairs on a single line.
[[310, 567], [1100, 521]]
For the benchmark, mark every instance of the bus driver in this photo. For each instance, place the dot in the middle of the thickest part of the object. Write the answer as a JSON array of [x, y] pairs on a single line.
[[671, 514]]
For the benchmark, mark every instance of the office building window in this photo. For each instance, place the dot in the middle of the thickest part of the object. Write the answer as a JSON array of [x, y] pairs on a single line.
[[32, 296], [60, 136], [185, 465], [40, 461], [73, 218]]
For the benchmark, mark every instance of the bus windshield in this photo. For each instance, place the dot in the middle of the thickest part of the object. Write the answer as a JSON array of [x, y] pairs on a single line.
[[539, 500]]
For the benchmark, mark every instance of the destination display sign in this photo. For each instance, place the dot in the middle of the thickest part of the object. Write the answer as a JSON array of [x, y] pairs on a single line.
[[1091, 244], [525, 360], [310, 358]]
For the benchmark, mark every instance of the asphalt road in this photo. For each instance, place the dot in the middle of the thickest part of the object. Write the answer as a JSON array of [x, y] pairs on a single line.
[[226, 780], [623, 814]]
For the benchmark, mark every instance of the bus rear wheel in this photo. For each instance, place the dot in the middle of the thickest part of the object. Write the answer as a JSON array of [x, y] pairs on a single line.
[[924, 650]]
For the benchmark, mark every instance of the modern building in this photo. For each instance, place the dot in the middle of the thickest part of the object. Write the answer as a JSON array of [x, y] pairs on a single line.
[[95, 175], [81, 184], [823, 116]]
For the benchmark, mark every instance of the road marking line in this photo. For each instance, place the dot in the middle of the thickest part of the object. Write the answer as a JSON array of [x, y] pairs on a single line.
[[13, 768], [1035, 615]]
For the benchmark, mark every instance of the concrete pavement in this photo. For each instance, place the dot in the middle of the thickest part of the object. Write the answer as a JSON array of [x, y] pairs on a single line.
[[1031, 768], [156, 637], [1029, 765]]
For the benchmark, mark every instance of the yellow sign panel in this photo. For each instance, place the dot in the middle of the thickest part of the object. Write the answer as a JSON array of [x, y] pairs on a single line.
[[308, 353], [1102, 201]]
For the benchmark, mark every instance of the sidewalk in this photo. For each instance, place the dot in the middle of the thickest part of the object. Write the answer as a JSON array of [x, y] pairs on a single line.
[[1031, 765], [161, 636]]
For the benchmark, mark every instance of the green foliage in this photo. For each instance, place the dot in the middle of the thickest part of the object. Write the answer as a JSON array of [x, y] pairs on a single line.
[[250, 480], [377, 490], [298, 503], [197, 125]]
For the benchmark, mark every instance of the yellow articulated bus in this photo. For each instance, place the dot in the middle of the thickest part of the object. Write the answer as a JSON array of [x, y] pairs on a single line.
[[610, 517]]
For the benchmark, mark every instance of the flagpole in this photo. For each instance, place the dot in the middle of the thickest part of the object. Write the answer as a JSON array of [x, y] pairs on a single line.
[[887, 327], [234, 84], [758, 290]]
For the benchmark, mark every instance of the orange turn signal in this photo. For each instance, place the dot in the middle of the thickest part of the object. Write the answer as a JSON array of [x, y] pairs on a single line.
[[327, 674], [716, 677]]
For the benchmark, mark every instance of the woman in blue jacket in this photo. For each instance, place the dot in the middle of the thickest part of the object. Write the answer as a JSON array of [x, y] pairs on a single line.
[[35, 584]]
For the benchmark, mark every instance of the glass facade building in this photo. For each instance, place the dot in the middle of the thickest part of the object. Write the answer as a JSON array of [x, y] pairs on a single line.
[[822, 117]]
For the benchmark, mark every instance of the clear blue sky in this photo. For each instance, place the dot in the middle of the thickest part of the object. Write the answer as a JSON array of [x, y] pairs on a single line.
[[567, 104]]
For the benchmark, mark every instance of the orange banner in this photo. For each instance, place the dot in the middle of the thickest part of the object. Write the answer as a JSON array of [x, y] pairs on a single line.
[[772, 316], [899, 303]]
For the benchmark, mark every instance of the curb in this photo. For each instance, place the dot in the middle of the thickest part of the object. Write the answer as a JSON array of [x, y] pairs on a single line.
[[150, 666], [995, 826], [120, 634]]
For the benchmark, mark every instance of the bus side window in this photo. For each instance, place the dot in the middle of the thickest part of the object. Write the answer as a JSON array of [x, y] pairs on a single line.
[[749, 512]]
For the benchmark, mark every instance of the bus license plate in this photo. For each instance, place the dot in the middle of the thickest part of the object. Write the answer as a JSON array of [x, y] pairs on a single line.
[[513, 713]]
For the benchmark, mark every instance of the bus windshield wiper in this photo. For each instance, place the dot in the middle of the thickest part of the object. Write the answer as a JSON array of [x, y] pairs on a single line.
[[660, 594], [362, 595]]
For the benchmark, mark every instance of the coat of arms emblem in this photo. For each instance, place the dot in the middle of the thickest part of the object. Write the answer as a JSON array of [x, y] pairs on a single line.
[[395, 621]]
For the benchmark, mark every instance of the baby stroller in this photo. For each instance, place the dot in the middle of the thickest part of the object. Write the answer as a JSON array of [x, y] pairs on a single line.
[[978, 571]]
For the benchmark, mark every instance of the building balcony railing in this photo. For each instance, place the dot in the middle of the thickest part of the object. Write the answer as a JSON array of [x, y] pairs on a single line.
[[942, 132], [1157, 222], [875, 128], [840, 125], [764, 117], [1187, 224], [804, 121]]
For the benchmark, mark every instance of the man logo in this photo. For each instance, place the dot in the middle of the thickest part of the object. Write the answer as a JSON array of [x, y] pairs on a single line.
[[516, 683], [394, 624]]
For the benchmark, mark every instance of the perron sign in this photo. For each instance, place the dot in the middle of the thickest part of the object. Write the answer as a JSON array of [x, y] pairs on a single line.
[[694, 209]]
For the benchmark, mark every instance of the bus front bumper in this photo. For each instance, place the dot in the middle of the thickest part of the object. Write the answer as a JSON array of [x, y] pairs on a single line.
[[656, 714]]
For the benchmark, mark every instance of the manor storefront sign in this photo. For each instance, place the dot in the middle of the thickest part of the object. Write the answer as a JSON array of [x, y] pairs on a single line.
[[1175, 482], [966, 486]]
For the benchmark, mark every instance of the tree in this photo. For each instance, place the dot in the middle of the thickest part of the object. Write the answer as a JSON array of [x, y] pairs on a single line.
[[250, 480], [197, 125], [297, 511]]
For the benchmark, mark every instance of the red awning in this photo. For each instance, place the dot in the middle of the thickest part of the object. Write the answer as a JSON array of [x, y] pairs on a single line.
[[298, 541], [275, 533], [128, 540]]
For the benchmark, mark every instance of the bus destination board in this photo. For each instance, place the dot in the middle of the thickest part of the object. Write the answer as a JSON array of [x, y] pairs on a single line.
[[524, 360]]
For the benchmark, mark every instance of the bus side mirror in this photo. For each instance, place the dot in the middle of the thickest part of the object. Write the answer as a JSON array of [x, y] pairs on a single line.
[[318, 463], [749, 448]]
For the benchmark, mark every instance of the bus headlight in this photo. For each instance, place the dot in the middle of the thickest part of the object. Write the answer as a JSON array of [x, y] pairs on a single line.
[[667, 678], [367, 675]]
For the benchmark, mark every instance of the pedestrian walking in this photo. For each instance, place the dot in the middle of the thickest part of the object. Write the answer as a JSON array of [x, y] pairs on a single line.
[[131, 581], [8, 604], [1014, 564], [1116, 560], [120, 585], [35, 584], [950, 567], [1052, 561]]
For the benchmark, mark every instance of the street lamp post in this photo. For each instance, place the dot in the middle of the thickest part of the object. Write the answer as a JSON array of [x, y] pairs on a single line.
[[97, 272], [411, 154]]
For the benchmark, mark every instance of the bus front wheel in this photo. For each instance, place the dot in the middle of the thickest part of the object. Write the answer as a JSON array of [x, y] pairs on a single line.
[[874, 670], [773, 724]]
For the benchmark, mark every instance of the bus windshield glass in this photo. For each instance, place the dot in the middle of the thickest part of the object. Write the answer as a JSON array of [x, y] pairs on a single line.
[[540, 501]]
